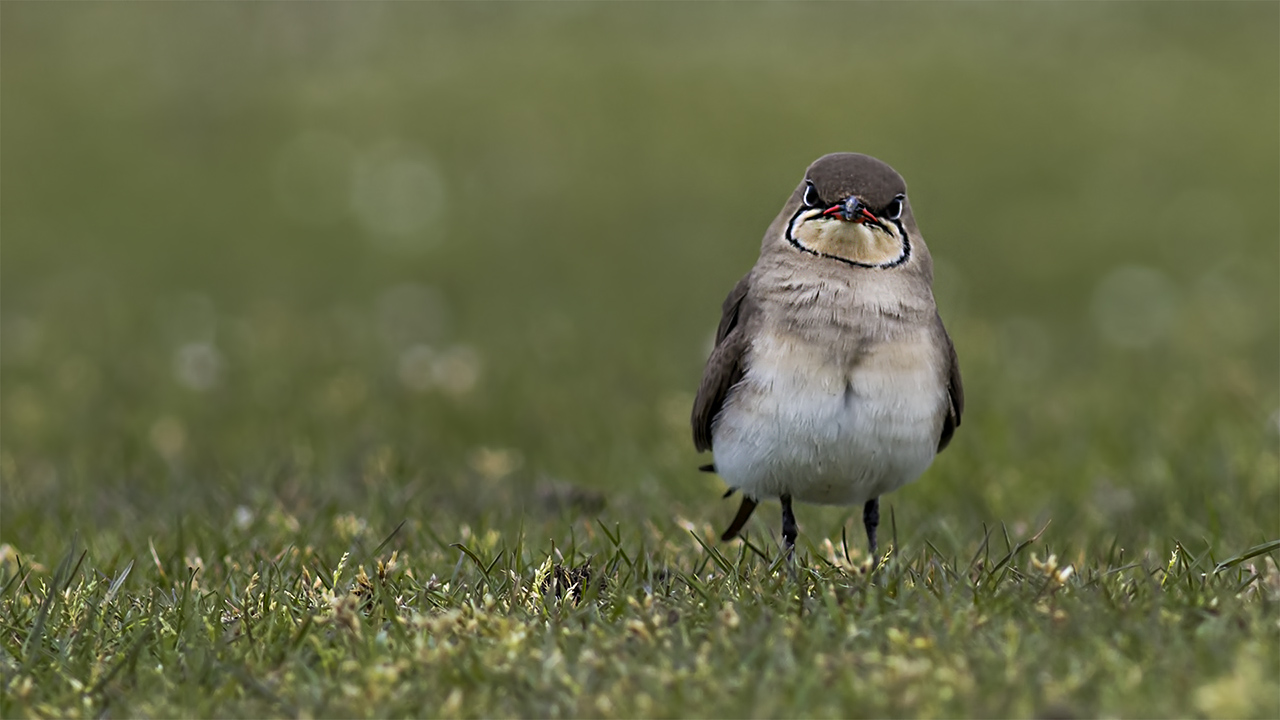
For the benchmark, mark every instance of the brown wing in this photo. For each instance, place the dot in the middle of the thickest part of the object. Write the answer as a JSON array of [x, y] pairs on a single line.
[[955, 390], [724, 367]]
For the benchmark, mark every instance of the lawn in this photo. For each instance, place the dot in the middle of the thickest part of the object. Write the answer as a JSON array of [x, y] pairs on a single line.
[[347, 355]]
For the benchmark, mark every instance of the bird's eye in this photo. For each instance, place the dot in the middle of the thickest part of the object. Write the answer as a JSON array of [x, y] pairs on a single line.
[[811, 198], [893, 210]]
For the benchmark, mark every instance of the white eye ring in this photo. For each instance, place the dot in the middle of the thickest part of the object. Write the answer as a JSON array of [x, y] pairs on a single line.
[[811, 198], [894, 210]]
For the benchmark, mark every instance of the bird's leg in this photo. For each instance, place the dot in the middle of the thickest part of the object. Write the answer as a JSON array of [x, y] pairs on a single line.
[[871, 520], [788, 525]]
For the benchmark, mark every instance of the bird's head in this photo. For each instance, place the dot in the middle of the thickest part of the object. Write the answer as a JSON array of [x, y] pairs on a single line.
[[851, 209]]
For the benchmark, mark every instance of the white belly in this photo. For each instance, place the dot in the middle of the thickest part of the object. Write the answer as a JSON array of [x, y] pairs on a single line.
[[797, 425]]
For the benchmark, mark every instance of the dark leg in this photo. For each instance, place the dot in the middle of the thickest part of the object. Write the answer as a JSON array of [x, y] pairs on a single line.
[[871, 519], [744, 513], [788, 525]]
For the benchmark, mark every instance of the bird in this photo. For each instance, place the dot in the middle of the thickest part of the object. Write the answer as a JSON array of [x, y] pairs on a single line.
[[832, 379]]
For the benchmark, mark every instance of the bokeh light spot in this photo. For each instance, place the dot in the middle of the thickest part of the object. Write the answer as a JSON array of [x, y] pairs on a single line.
[[495, 463], [168, 437], [398, 196], [242, 517], [457, 370], [1134, 306], [197, 366]]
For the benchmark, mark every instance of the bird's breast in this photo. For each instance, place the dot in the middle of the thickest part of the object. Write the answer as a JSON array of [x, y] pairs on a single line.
[[832, 426]]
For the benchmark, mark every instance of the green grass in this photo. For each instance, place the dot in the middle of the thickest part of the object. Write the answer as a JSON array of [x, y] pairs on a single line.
[[264, 452], [642, 625]]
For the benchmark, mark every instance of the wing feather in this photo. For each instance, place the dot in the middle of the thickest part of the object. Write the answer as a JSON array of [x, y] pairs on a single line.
[[955, 391], [725, 366]]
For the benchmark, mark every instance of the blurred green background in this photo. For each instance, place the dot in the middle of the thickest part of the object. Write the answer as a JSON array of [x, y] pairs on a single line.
[[452, 262]]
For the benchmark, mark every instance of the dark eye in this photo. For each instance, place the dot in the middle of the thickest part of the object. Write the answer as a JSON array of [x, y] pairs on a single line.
[[893, 210], [811, 198]]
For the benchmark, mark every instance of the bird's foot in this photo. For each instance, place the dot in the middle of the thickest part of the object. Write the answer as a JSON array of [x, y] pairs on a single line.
[[871, 521], [789, 530]]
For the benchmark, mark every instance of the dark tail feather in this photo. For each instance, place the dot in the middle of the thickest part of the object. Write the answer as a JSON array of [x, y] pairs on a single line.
[[709, 467], [744, 513]]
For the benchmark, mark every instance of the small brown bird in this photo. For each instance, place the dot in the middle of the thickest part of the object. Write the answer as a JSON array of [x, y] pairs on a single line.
[[832, 380]]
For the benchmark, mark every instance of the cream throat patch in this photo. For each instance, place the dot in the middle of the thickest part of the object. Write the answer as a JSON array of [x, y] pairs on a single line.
[[863, 244]]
